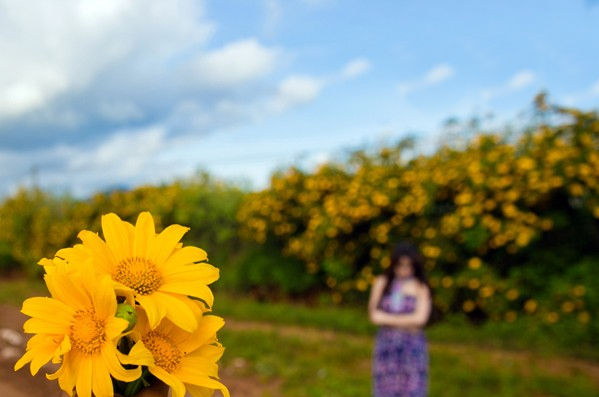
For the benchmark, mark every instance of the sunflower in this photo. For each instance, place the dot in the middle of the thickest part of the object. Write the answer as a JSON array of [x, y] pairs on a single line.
[[155, 271], [184, 361], [77, 326]]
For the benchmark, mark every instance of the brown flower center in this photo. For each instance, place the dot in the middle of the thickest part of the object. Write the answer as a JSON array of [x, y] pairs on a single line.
[[139, 274], [165, 352], [87, 332]]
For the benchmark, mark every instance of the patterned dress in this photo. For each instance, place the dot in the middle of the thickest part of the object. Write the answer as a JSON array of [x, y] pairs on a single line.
[[400, 362]]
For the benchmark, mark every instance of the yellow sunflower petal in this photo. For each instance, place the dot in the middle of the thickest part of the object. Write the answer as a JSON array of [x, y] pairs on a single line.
[[205, 294], [131, 233], [200, 391], [165, 243], [59, 372], [104, 259], [101, 382], [207, 328], [209, 352], [84, 377], [63, 348], [48, 309], [197, 289], [185, 256], [123, 290], [65, 286], [204, 273], [196, 390], [145, 233], [37, 326], [104, 298], [26, 358], [41, 349], [65, 379], [175, 333], [196, 368], [116, 236], [111, 361], [138, 355], [154, 310], [48, 264], [177, 387], [75, 254], [177, 311], [114, 327], [142, 326], [68, 372]]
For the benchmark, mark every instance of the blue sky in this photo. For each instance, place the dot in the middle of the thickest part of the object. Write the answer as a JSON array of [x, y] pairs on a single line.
[[98, 94]]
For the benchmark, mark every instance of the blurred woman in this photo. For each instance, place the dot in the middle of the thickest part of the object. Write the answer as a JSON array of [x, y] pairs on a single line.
[[400, 304]]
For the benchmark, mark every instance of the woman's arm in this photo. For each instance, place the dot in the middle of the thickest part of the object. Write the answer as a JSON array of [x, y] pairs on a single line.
[[417, 318], [376, 292]]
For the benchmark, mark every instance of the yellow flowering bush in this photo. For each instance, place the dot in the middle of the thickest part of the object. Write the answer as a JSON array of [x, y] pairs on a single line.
[[35, 224], [500, 219], [508, 223], [125, 311]]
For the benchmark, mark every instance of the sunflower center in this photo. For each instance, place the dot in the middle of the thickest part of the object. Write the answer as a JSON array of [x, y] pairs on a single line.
[[139, 274], [87, 332], [165, 352]]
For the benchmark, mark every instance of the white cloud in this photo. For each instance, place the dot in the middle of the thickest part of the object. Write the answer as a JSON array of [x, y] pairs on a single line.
[[127, 158], [438, 74], [29, 93], [120, 111], [433, 77], [582, 97], [273, 14], [234, 64], [124, 153], [63, 46], [295, 90], [517, 82], [81, 74], [355, 68], [521, 80]]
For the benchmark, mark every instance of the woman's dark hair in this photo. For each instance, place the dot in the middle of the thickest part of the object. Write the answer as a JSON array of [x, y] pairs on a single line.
[[409, 250]]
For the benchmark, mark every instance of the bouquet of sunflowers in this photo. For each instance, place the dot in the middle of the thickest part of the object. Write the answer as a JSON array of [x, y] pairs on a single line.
[[126, 312]]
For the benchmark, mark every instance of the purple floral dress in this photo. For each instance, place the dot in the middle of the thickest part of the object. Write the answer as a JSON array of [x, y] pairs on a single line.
[[400, 362]]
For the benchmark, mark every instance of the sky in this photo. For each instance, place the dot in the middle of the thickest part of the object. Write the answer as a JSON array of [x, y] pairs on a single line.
[[104, 94]]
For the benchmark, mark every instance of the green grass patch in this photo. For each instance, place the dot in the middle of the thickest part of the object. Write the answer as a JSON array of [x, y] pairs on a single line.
[[307, 362], [523, 334], [13, 291], [326, 317], [326, 351]]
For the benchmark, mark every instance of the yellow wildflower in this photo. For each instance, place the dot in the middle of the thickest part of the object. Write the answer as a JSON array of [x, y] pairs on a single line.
[[154, 270]]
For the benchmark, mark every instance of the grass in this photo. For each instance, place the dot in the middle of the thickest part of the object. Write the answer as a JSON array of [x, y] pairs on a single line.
[[13, 291], [326, 351], [520, 335], [311, 362]]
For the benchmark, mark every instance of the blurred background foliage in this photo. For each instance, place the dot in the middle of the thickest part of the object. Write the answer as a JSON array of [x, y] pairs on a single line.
[[508, 223]]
